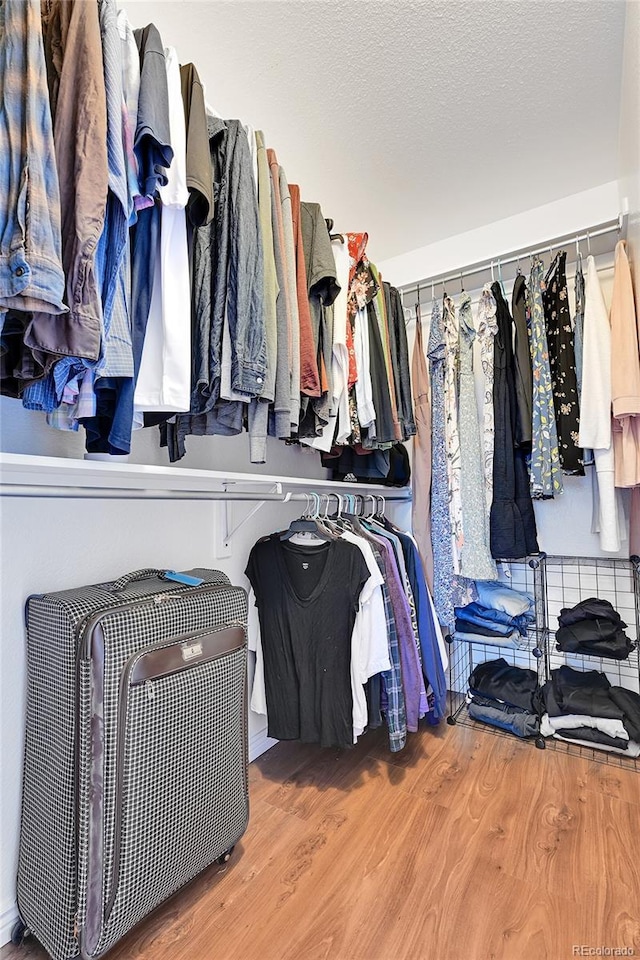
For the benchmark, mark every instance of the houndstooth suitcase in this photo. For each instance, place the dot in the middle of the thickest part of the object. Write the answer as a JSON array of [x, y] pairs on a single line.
[[135, 775]]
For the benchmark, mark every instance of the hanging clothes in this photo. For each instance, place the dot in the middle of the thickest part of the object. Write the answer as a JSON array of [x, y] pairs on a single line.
[[523, 372], [625, 373], [487, 328], [452, 437], [562, 365], [400, 361], [422, 452], [307, 598], [544, 466], [512, 522], [578, 325], [443, 570], [595, 419], [475, 557]]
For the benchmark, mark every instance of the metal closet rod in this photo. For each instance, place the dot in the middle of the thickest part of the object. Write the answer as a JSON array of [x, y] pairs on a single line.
[[613, 226], [52, 491]]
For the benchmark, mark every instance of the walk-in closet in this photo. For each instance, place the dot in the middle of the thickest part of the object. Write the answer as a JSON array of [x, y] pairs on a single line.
[[320, 479]]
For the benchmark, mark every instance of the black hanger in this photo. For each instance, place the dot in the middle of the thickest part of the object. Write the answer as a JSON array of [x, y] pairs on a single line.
[[333, 236]]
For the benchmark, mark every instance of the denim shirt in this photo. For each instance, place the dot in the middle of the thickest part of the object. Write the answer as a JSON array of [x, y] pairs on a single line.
[[228, 272], [31, 275]]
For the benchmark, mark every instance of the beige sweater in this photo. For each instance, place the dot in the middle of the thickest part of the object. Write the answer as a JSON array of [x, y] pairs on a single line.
[[625, 374]]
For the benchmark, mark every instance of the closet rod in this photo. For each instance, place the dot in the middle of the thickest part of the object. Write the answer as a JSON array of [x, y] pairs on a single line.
[[112, 493], [480, 266]]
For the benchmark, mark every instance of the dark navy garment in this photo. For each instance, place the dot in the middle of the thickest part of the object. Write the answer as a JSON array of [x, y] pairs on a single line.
[[431, 659]]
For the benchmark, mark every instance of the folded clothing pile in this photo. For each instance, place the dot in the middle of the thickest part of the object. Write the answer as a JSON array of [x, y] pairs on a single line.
[[593, 628], [583, 707], [505, 696], [499, 616]]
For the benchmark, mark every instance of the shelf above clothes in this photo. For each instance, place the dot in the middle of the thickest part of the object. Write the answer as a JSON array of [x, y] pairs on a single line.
[[33, 476]]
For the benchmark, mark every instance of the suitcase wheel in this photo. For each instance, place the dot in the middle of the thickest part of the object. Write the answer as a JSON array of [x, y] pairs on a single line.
[[225, 857], [18, 933]]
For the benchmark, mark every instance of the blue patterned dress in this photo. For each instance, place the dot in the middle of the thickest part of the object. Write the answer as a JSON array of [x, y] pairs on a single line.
[[475, 559], [440, 522]]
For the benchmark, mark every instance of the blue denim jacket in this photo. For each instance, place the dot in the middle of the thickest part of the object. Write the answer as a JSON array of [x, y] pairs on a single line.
[[31, 275]]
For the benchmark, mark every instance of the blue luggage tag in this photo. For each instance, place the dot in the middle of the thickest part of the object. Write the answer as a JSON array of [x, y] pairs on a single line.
[[183, 578]]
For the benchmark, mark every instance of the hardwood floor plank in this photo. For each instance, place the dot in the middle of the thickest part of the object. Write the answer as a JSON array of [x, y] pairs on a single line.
[[466, 846]]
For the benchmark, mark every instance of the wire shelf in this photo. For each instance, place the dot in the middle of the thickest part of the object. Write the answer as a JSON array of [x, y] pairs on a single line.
[[554, 583]]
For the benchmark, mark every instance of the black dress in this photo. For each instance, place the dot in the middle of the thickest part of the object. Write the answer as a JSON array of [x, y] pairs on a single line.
[[523, 373], [512, 524], [562, 363]]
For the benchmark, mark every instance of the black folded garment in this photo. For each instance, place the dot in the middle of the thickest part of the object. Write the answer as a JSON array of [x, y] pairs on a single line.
[[595, 638], [514, 685], [591, 609], [583, 692], [629, 702], [593, 736], [465, 626]]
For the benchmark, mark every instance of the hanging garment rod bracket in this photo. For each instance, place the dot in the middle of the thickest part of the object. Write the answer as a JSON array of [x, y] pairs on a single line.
[[230, 534], [613, 226]]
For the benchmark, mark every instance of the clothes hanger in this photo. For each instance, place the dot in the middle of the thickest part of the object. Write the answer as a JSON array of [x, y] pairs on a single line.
[[500, 280], [333, 236], [306, 523]]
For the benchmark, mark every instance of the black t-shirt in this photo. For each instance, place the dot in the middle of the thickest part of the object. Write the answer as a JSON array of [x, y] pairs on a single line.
[[307, 599]]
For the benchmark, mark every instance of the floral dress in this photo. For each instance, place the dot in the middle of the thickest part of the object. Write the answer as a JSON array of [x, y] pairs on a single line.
[[562, 363], [544, 466]]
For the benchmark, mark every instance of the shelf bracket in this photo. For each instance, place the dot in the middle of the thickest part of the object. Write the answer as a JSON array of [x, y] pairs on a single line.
[[229, 534]]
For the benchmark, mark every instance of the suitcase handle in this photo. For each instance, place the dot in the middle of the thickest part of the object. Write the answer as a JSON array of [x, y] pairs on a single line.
[[148, 573]]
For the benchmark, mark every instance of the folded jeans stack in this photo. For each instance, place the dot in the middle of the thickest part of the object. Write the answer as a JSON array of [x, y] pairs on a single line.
[[583, 707], [500, 616], [593, 628], [505, 696]]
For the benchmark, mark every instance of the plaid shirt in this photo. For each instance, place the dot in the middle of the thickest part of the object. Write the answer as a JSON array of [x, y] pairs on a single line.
[[392, 691], [31, 276]]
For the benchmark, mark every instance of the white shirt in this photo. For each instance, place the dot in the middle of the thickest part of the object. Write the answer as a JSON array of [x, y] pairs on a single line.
[[595, 414], [364, 391], [370, 640], [164, 380]]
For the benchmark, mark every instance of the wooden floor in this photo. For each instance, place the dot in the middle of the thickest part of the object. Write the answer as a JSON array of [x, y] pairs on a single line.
[[464, 846]]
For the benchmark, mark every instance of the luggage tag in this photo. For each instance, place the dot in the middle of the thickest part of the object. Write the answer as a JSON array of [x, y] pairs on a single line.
[[183, 578]]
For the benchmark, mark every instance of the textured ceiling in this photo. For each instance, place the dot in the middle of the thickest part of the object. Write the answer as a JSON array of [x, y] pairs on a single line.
[[414, 120]]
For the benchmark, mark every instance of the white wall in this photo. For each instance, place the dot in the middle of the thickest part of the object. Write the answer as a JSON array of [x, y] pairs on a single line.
[[629, 145], [532, 228]]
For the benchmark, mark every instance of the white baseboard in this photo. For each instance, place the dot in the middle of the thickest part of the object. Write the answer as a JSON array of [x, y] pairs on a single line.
[[259, 743], [7, 919]]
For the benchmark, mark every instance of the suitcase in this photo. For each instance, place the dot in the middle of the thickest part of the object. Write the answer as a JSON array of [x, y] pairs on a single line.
[[135, 775]]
